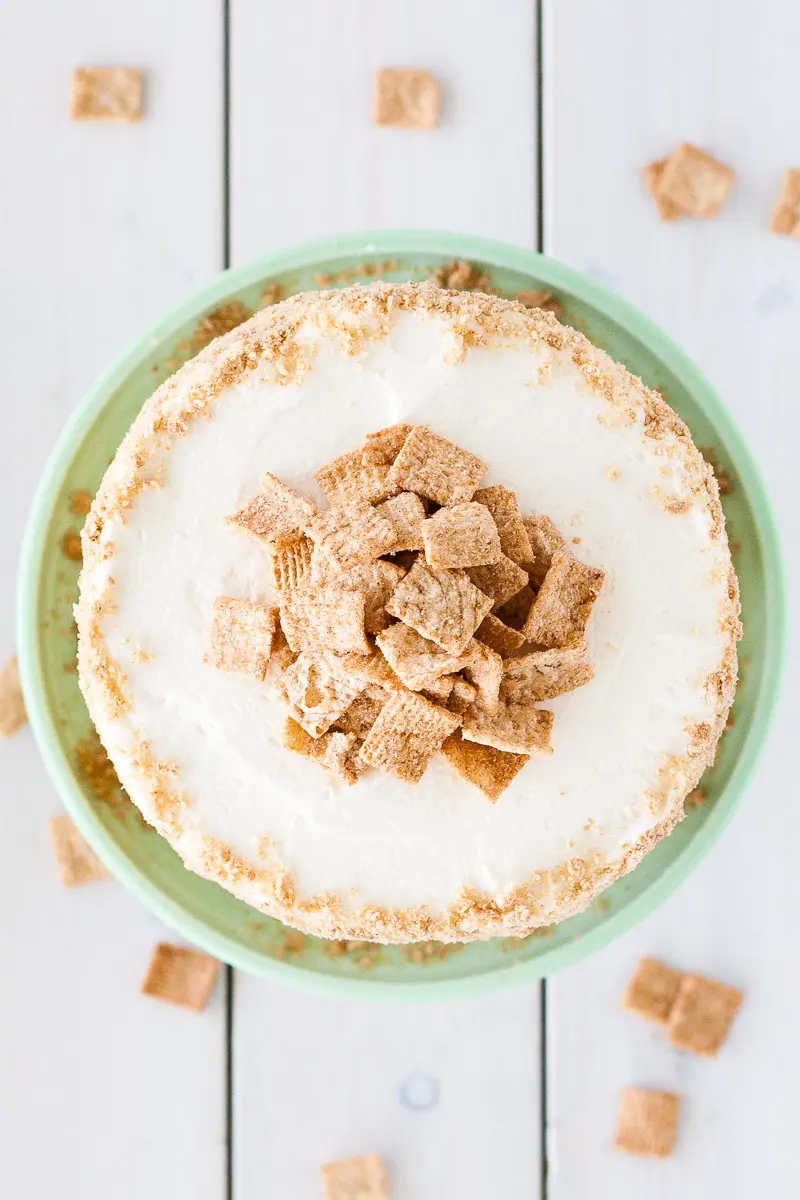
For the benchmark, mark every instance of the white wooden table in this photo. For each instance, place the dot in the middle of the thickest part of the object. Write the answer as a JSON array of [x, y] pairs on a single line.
[[258, 134]]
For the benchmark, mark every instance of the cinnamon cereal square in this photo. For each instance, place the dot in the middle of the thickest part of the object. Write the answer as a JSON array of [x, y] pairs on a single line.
[[76, 861], [408, 733], [12, 705], [106, 94], [544, 674], [362, 1178], [419, 663], [181, 976], [406, 98], [316, 694], [652, 175], [694, 182], [652, 991], [353, 533], [336, 752], [484, 767], [786, 214], [463, 535], [561, 610], [241, 637], [406, 513], [647, 1123], [701, 1015], [362, 714], [276, 515], [516, 728], [374, 580], [435, 468], [545, 542], [325, 620], [502, 504], [291, 565], [500, 580], [444, 606], [440, 690], [381, 448], [484, 670], [498, 636], [348, 479], [514, 612], [462, 697]]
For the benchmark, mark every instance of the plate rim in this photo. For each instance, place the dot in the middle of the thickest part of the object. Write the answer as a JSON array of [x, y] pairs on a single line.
[[370, 244]]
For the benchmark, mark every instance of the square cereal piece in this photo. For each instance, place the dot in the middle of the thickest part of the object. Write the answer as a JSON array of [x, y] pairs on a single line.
[[335, 752], [362, 714], [406, 99], [647, 1122], [374, 580], [652, 991], [353, 533], [702, 1014], [362, 1178], [372, 669], [786, 214], [440, 691], [500, 580], [276, 515], [435, 468], [694, 182], [325, 620], [106, 94], [545, 542], [181, 976], [381, 448], [418, 662], [12, 705], [484, 671], [498, 636], [561, 609], [462, 697], [484, 767], [444, 606], [502, 504], [316, 694], [538, 298], [291, 565], [348, 479], [516, 728], [514, 612], [408, 733], [652, 175], [76, 861], [241, 637], [544, 674], [463, 535], [406, 513]]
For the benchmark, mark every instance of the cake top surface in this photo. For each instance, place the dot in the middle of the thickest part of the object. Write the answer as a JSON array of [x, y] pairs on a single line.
[[197, 728]]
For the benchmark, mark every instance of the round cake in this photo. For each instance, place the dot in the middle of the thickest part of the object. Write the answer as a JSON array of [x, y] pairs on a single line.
[[408, 614]]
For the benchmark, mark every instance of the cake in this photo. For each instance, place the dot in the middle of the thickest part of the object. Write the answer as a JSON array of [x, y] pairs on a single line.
[[408, 614]]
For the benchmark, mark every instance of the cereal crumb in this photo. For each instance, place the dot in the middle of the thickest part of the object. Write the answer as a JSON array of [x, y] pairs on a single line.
[[80, 502]]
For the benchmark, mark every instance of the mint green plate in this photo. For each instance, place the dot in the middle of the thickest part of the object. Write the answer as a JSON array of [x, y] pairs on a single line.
[[203, 912]]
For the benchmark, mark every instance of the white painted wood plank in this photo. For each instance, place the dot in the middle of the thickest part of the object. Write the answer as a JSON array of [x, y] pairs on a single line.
[[316, 1079], [104, 1093], [307, 159], [625, 82]]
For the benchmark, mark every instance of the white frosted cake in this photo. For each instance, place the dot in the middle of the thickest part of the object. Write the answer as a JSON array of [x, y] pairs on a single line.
[[408, 614]]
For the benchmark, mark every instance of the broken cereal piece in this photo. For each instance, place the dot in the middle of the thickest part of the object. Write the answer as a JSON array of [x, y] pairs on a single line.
[[362, 714], [406, 513], [652, 991], [362, 1178], [544, 674], [443, 606], [315, 694], [348, 480], [514, 612], [381, 448], [652, 175], [538, 298], [406, 99], [488, 769], [702, 1015], [106, 94], [545, 541], [76, 861], [353, 533], [484, 671], [498, 636], [181, 976], [694, 182], [647, 1122], [502, 504], [463, 535], [418, 662], [407, 734], [335, 752], [517, 728], [241, 637], [291, 566], [462, 696], [375, 580], [440, 690], [325, 620], [12, 705], [433, 467], [561, 610], [372, 669], [276, 515], [500, 581], [786, 214]]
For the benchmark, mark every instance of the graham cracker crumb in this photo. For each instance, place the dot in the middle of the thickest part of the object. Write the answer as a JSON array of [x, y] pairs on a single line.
[[12, 705], [702, 1015], [648, 1122], [408, 733], [217, 323], [241, 637], [463, 535], [652, 991], [435, 468], [489, 770], [181, 976], [76, 861], [502, 503], [538, 298], [444, 606], [461, 277], [406, 99], [71, 546], [106, 94], [80, 502], [786, 214], [362, 1178]]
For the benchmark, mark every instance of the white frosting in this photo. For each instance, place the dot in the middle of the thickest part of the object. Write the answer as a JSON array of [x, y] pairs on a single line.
[[653, 636]]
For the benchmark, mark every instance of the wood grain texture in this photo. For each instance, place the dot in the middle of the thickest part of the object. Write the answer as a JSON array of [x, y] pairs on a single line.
[[624, 83], [102, 1092]]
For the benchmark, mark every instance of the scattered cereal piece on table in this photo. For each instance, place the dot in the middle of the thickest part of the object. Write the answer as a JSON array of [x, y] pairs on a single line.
[[647, 1123], [76, 861], [406, 98], [786, 214], [12, 705], [362, 1178], [106, 94], [690, 183], [652, 175], [181, 976], [652, 990], [702, 1015]]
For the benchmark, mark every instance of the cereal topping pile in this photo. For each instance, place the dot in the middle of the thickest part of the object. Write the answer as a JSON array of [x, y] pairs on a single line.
[[418, 614]]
